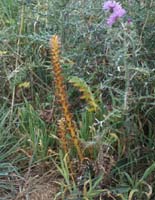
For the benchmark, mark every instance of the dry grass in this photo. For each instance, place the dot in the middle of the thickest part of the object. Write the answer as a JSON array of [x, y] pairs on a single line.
[[36, 184]]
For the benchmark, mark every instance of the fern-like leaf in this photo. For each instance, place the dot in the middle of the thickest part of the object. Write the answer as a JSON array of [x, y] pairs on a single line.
[[87, 95]]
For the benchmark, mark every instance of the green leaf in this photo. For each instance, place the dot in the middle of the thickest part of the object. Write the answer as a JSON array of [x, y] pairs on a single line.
[[147, 172]]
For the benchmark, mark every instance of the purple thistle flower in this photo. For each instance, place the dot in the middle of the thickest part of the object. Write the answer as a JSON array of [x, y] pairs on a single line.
[[116, 10], [112, 19], [110, 5], [120, 12], [129, 21]]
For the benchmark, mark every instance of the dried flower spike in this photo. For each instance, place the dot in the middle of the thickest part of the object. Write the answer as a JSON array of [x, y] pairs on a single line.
[[62, 95]]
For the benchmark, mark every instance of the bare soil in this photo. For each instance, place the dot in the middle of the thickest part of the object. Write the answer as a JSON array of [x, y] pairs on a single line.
[[37, 183]]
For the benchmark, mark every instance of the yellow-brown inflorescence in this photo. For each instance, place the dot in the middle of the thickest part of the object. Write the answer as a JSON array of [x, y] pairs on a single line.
[[62, 95], [62, 134]]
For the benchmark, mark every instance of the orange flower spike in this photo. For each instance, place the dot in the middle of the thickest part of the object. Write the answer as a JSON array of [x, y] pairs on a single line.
[[62, 133], [61, 93]]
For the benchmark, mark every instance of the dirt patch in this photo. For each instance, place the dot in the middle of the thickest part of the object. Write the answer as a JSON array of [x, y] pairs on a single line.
[[40, 184], [39, 190], [37, 183]]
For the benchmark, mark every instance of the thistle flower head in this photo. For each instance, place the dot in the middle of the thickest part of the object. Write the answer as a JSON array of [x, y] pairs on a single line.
[[116, 11], [110, 5]]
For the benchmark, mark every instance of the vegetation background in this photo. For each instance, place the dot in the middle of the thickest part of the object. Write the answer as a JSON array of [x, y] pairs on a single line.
[[118, 66]]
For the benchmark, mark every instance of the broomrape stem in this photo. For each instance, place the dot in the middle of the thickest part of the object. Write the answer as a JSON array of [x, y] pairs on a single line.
[[62, 132], [61, 93]]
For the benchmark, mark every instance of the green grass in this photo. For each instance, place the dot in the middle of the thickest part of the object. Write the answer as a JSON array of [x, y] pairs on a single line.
[[116, 63]]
